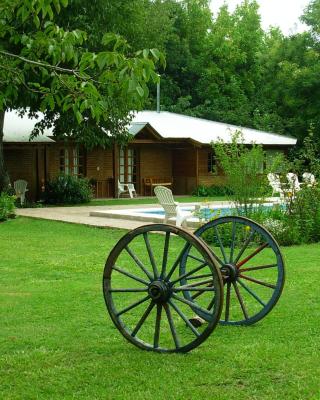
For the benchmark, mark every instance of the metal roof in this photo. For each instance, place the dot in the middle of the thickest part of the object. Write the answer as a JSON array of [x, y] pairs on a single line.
[[168, 125], [171, 125], [17, 129]]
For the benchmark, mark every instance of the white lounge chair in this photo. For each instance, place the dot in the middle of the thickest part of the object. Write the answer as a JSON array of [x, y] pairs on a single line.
[[308, 179], [171, 208], [20, 187], [126, 188], [274, 181], [294, 184]]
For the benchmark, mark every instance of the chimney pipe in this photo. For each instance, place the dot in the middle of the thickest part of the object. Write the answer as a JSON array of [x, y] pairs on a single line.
[[158, 96]]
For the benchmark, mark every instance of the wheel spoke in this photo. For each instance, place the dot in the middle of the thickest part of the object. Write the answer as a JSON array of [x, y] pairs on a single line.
[[194, 306], [189, 273], [258, 267], [258, 250], [165, 255], [195, 284], [133, 305], [227, 310], [245, 245], [138, 262], [185, 319], [199, 259], [243, 308], [142, 319], [220, 244], [269, 285], [153, 263], [157, 327], [172, 327], [124, 290], [199, 276], [194, 289], [233, 239], [211, 303], [250, 291], [129, 275]]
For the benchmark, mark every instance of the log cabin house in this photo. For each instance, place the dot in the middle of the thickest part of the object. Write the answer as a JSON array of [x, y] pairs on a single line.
[[165, 148]]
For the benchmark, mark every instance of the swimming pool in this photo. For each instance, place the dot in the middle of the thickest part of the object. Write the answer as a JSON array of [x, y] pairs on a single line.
[[156, 214]]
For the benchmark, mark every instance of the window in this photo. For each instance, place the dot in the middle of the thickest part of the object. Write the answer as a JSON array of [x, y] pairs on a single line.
[[211, 162], [71, 160]]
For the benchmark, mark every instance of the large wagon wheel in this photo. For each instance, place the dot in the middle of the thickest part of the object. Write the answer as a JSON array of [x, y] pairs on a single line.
[[251, 265], [143, 291]]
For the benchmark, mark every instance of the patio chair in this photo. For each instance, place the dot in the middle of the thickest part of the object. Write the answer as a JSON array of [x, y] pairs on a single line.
[[126, 188], [20, 187], [274, 181], [294, 184], [308, 179], [171, 208]]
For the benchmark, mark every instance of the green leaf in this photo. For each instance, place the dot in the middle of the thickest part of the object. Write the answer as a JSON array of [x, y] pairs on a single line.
[[155, 53], [140, 90], [79, 117]]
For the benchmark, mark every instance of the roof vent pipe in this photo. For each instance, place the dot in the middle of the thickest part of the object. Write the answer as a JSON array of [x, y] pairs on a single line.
[[158, 95]]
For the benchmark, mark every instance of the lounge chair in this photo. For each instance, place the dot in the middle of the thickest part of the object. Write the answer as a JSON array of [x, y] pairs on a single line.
[[171, 208], [126, 188], [20, 187], [274, 181], [294, 184], [308, 179]]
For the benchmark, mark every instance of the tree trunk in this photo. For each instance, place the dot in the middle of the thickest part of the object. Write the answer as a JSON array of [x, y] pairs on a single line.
[[4, 177]]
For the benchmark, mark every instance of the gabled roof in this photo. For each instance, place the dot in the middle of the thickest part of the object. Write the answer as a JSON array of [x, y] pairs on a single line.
[[163, 125], [17, 129], [171, 125]]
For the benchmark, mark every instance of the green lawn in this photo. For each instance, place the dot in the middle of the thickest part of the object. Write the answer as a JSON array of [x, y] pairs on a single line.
[[57, 341]]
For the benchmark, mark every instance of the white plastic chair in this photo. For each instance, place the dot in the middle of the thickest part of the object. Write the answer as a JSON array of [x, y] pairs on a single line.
[[20, 187], [308, 179], [294, 184], [171, 208], [274, 181], [126, 188]]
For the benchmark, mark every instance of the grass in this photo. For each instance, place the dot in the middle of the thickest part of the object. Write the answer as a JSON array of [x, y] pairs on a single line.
[[57, 342]]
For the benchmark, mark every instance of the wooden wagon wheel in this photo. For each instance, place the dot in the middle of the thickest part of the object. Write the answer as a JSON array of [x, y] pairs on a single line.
[[251, 265], [143, 291]]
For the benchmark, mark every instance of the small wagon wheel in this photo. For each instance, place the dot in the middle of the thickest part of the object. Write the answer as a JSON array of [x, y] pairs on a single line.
[[143, 291], [251, 265]]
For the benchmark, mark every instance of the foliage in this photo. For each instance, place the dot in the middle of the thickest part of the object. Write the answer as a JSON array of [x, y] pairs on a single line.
[[210, 191], [67, 189], [243, 168], [303, 220], [85, 95], [6, 206]]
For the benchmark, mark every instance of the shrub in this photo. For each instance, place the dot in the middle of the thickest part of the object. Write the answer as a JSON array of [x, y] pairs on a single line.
[[67, 189], [243, 167], [6, 206], [210, 191]]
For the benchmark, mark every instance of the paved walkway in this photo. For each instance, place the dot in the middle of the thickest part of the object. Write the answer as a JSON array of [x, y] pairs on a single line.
[[80, 215]]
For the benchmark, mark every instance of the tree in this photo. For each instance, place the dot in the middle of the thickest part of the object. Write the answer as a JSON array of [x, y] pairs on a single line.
[[85, 95]]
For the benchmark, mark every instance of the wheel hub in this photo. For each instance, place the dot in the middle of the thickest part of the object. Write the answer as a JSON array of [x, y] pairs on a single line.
[[229, 272], [159, 291]]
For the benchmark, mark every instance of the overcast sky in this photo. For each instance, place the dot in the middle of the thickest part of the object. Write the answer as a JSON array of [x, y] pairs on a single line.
[[282, 13]]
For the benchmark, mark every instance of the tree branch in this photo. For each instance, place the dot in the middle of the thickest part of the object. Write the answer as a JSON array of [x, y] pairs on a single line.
[[41, 64]]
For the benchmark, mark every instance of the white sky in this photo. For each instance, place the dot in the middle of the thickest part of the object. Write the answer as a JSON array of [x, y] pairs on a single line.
[[282, 13]]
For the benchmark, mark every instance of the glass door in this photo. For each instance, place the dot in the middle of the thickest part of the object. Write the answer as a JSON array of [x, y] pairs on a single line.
[[128, 170]]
